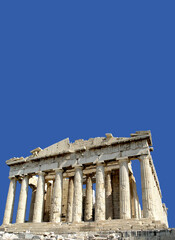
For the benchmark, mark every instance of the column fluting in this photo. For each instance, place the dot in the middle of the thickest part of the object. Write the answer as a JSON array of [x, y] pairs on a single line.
[[70, 199], [147, 187], [134, 198], [48, 202], [32, 204], [56, 205], [125, 204], [100, 193], [21, 212], [78, 195], [88, 199], [39, 199], [8, 214], [109, 205]]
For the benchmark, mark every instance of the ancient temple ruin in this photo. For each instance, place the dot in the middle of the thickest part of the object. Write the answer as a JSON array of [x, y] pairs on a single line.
[[88, 184]]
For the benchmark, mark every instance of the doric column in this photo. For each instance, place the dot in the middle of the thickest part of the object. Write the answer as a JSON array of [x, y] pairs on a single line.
[[70, 199], [48, 201], [21, 212], [100, 193], [39, 199], [108, 186], [157, 198], [8, 214], [147, 187], [116, 194], [125, 204], [140, 211], [134, 198], [32, 204], [89, 199], [78, 195], [57, 196]]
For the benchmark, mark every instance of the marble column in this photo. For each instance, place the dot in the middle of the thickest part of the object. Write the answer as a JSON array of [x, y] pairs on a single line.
[[39, 199], [70, 199], [8, 214], [48, 201], [140, 211], [159, 211], [32, 204], [157, 199], [134, 198], [147, 187], [100, 193], [78, 195], [56, 206], [21, 212], [109, 205], [88, 199], [125, 204]]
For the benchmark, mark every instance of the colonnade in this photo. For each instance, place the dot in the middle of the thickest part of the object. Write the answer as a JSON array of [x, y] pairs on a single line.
[[107, 186]]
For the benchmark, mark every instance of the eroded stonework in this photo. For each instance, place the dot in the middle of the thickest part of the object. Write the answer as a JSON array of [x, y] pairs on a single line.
[[63, 178]]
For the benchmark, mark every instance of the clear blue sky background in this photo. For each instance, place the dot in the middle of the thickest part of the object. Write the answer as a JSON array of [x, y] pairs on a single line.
[[80, 69]]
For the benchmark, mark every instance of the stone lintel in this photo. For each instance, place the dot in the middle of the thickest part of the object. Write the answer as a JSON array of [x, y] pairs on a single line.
[[49, 165]]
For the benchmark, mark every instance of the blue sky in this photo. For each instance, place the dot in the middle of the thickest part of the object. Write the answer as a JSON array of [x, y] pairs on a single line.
[[79, 69]]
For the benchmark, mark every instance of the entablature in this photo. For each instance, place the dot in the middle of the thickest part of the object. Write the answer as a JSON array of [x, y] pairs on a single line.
[[132, 150]]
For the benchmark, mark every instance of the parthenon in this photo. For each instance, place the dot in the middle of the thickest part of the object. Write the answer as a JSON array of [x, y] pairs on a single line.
[[85, 183]]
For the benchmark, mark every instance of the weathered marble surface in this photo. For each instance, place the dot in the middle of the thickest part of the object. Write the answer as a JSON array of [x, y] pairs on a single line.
[[89, 199], [70, 199], [100, 203], [65, 146], [78, 195], [56, 205], [105, 161], [108, 192], [38, 211], [8, 214], [21, 213], [64, 154], [125, 207]]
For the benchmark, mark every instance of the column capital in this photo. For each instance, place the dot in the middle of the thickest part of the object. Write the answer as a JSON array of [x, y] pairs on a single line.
[[40, 173], [78, 167], [100, 163], [124, 159], [23, 176], [143, 157], [12, 177], [58, 170]]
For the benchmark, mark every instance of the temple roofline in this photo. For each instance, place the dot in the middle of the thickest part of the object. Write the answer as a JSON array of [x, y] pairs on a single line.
[[65, 147]]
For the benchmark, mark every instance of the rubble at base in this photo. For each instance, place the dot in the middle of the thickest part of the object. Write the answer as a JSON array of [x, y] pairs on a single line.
[[165, 234]]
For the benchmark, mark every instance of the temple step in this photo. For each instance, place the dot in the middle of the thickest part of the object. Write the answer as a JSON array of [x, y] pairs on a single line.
[[104, 226]]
